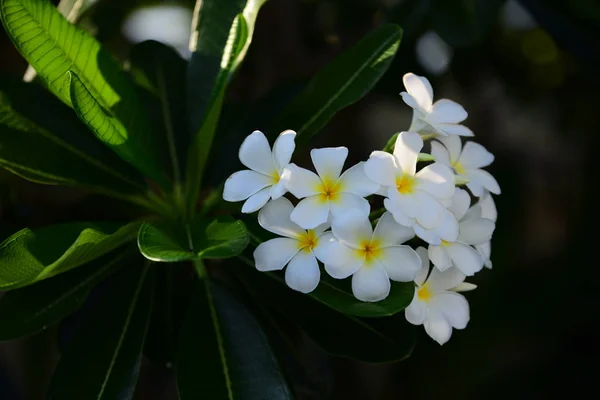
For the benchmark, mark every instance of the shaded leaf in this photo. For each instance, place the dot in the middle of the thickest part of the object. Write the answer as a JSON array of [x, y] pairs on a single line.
[[219, 238], [223, 351], [31, 256], [109, 342], [342, 82], [29, 310]]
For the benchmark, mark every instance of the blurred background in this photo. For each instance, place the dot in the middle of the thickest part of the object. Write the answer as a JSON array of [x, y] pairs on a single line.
[[527, 72]]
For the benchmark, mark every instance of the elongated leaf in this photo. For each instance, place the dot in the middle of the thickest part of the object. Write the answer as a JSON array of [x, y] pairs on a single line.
[[216, 55], [102, 360], [373, 340], [223, 351], [30, 256], [206, 239], [29, 310], [108, 129], [53, 47], [43, 141], [341, 83]]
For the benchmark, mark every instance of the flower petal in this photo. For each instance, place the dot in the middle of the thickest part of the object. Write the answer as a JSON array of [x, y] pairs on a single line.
[[488, 207], [453, 130], [399, 215], [440, 281], [436, 179], [406, 150], [440, 153], [420, 89], [243, 184], [346, 203], [460, 203], [354, 229], [301, 182], [485, 251], [275, 217], [454, 146], [255, 153], [274, 254], [279, 189], [388, 232], [302, 273], [476, 231], [329, 161], [465, 258], [416, 311], [436, 326], [447, 111], [381, 168], [370, 283], [464, 287], [340, 260], [310, 212], [475, 156], [447, 230], [283, 148], [407, 202], [422, 252], [401, 263], [410, 100], [355, 180], [430, 212], [256, 201], [482, 178], [455, 308], [439, 257]]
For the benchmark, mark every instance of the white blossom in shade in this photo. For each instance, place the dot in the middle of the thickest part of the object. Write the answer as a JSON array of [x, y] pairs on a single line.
[[467, 161], [414, 198], [442, 117], [436, 303], [371, 257], [473, 230], [296, 248], [328, 193], [262, 181]]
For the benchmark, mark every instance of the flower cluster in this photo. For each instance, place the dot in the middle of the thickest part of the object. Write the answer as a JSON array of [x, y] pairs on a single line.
[[332, 222]]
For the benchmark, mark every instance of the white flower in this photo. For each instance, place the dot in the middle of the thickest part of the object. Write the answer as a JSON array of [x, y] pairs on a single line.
[[436, 303], [441, 117], [485, 208], [467, 161], [296, 248], [415, 198], [263, 180], [473, 230], [371, 257], [328, 192]]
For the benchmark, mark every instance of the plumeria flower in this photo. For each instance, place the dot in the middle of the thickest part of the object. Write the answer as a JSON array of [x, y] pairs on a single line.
[[415, 199], [371, 257], [485, 208], [436, 303], [328, 193], [263, 180], [296, 249], [441, 117], [467, 161], [473, 230]]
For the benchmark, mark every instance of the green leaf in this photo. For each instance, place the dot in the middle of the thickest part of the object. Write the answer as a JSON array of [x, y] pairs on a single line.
[[220, 238], [102, 360], [216, 54], [109, 129], [223, 352], [43, 141], [341, 83], [29, 310], [53, 47], [373, 340], [31, 256], [160, 70], [465, 22]]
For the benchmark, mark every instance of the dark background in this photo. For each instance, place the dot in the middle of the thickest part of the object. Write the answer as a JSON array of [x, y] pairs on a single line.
[[528, 74]]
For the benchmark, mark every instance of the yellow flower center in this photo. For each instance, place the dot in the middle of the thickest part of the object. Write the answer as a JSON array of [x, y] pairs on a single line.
[[424, 293], [444, 243], [329, 189], [460, 169], [307, 241], [275, 177], [405, 184], [369, 250]]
